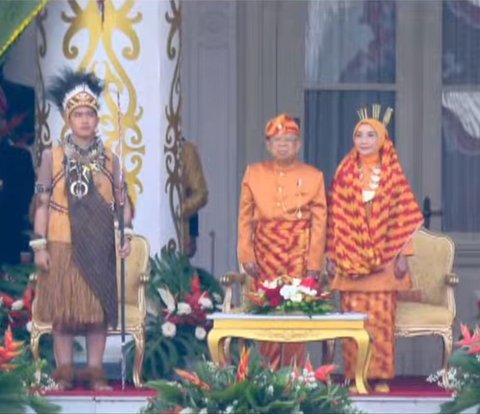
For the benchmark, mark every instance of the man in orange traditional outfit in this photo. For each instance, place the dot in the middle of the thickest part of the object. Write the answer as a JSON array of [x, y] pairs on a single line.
[[77, 188], [282, 220], [373, 215]]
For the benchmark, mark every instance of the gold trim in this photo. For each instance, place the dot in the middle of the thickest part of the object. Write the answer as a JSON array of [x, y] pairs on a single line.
[[42, 106], [22, 27], [172, 147], [101, 34]]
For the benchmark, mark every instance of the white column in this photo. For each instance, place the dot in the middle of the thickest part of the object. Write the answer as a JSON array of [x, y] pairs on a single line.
[[128, 45]]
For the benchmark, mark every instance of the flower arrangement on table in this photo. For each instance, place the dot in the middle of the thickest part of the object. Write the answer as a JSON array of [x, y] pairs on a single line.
[[19, 387], [288, 294], [179, 298], [250, 388], [463, 375]]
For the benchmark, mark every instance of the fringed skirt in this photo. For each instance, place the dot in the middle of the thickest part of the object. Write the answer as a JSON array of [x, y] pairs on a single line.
[[63, 296]]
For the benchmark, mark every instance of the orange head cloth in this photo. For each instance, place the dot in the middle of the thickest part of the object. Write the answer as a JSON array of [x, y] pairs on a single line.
[[281, 125], [379, 128]]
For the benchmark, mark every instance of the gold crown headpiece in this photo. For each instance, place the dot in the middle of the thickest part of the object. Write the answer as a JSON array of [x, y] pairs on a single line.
[[376, 110]]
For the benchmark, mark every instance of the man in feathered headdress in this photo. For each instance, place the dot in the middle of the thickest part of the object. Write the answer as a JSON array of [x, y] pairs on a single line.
[[74, 243]]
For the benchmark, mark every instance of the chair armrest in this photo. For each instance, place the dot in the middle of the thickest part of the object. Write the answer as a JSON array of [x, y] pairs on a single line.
[[230, 278], [451, 279]]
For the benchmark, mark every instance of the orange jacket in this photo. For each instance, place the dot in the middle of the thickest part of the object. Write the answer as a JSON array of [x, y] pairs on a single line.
[[272, 193]]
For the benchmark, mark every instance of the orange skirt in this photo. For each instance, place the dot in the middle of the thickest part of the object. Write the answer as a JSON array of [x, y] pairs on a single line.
[[381, 308]]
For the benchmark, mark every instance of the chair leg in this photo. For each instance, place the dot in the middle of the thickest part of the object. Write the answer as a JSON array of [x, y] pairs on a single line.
[[139, 338], [328, 351], [447, 347], [35, 347]]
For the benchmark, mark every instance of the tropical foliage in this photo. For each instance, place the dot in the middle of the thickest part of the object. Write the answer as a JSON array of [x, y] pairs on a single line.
[[250, 388], [463, 375], [179, 299], [19, 387]]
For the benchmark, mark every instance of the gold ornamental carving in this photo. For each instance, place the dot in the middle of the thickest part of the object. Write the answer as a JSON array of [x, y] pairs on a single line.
[[102, 26], [172, 147], [42, 106]]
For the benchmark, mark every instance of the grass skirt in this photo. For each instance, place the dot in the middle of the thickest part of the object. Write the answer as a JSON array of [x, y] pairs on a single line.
[[63, 296]]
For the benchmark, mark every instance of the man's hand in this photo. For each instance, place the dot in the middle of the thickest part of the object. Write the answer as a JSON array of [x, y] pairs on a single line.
[[401, 267], [124, 251], [314, 274], [331, 268], [252, 269], [42, 260]]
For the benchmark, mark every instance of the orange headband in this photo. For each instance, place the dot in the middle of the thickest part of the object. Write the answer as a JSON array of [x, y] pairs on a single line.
[[281, 125]]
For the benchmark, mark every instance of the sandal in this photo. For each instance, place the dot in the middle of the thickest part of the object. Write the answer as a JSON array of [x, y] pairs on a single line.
[[63, 376], [95, 378]]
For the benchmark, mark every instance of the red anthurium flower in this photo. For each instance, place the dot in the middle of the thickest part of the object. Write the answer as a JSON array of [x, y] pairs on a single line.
[[10, 344], [309, 282], [28, 296], [323, 373], [193, 378], [468, 339], [242, 370], [7, 300]]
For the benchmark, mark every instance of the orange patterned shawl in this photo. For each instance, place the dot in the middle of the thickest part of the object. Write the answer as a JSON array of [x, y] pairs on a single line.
[[358, 244]]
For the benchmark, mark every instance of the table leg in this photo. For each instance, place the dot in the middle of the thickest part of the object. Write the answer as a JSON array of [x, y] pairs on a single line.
[[363, 358], [216, 347]]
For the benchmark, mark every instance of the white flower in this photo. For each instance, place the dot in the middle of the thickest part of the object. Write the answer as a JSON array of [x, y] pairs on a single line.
[[205, 302], [297, 297], [184, 308], [270, 390], [187, 410], [17, 305], [229, 409], [169, 329], [296, 282], [200, 333], [28, 326], [307, 291], [271, 284], [216, 297], [288, 291], [203, 411]]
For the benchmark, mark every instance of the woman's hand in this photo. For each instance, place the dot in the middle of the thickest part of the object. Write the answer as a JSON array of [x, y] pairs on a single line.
[[124, 251], [401, 267], [252, 269], [42, 260]]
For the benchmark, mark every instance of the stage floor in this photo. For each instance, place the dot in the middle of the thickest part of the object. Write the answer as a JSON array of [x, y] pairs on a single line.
[[407, 395]]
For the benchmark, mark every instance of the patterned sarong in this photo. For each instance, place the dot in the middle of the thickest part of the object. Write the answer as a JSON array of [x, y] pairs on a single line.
[[381, 309], [281, 247]]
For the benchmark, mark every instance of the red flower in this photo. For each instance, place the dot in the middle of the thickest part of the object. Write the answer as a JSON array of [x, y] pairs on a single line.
[[10, 351], [309, 282], [193, 378], [28, 296], [474, 350], [323, 373], [242, 370], [468, 339], [273, 296], [7, 300]]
